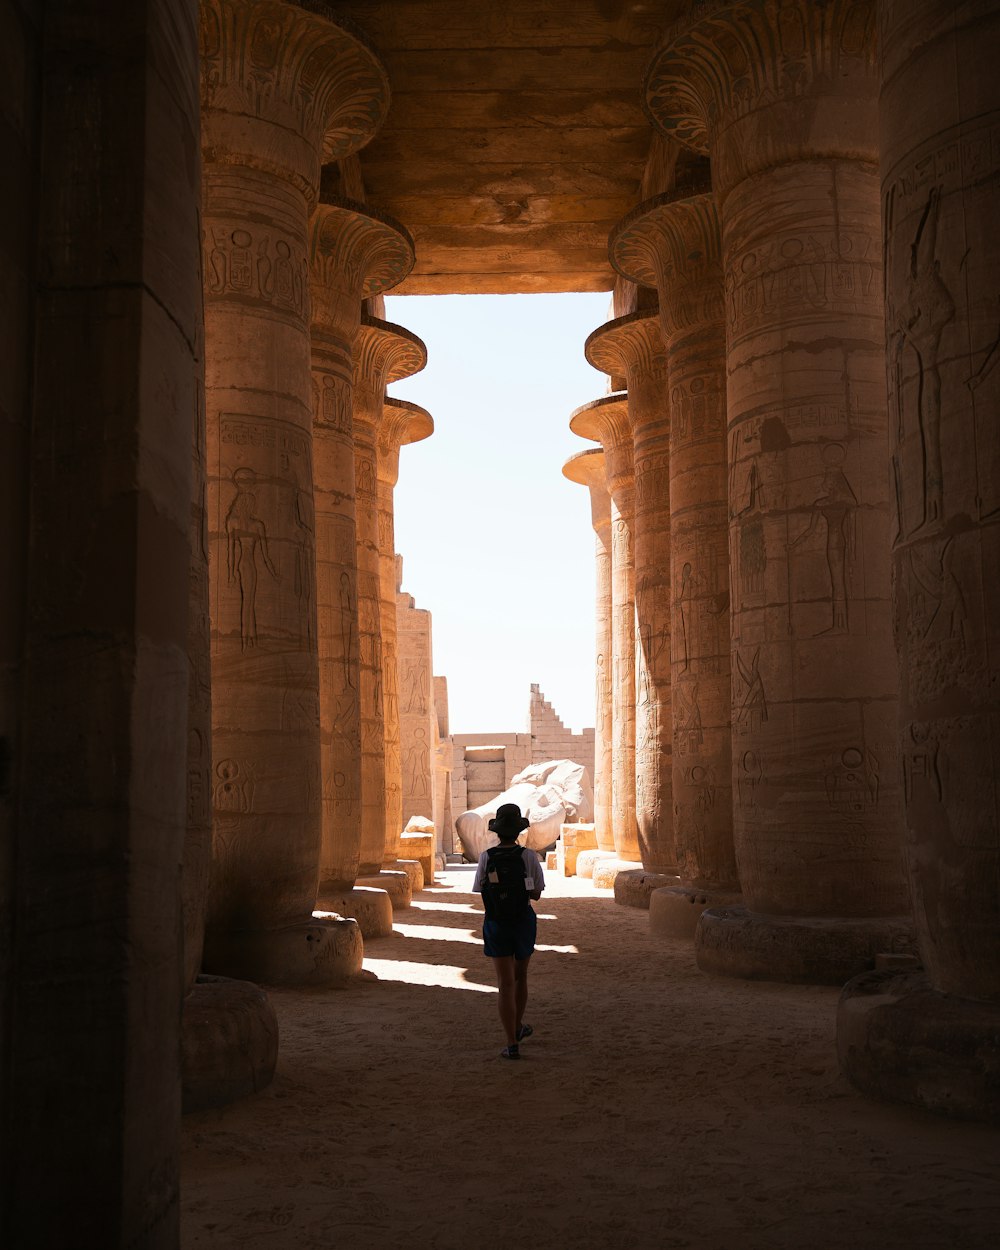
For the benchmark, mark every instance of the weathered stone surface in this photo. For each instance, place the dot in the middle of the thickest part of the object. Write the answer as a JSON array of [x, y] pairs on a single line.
[[587, 860], [229, 1043], [572, 840], [371, 907], [588, 468], [326, 950], [826, 950], [398, 882], [606, 421], [635, 887], [672, 243], [632, 347], [420, 846], [674, 911], [814, 690], [354, 253], [605, 871], [417, 718], [899, 1038], [402, 423]]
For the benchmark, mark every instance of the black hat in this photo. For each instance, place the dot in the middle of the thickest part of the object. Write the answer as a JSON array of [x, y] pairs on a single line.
[[508, 822]]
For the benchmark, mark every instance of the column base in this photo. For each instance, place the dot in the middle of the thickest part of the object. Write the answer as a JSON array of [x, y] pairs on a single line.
[[901, 1040], [229, 1043], [635, 886], [412, 868], [820, 950], [393, 882], [606, 870], [370, 907], [420, 846], [586, 860], [674, 911], [325, 951]]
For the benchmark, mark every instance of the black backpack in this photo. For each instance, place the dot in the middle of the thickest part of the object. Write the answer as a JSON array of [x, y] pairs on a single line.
[[505, 895]]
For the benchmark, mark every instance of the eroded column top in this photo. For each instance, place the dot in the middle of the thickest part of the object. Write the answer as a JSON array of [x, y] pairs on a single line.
[[587, 468], [402, 423], [632, 345], [760, 83], [672, 242], [605, 421], [385, 353], [355, 252], [284, 86]]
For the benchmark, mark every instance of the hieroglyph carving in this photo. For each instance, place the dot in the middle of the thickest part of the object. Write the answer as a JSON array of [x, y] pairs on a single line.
[[261, 268], [246, 538]]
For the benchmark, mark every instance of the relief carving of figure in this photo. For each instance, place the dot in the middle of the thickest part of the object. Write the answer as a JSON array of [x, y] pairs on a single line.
[[246, 535], [938, 606], [919, 323], [415, 764], [835, 506], [751, 708], [416, 686], [348, 619], [753, 552]]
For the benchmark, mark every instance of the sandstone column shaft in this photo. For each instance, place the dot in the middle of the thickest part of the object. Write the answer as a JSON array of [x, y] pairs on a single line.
[[281, 86], [793, 158], [939, 116], [606, 420], [672, 243], [354, 253], [110, 249], [382, 353], [633, 347], [587, 468], [402, 422]]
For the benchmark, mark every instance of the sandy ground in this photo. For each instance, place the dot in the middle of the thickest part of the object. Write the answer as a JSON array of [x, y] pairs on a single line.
[[654, 1107]]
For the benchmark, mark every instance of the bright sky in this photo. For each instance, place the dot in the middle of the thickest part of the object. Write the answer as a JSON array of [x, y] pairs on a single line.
[[496, 543]]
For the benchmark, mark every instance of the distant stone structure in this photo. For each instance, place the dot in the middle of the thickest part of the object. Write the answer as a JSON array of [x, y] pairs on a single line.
[[551, 740]]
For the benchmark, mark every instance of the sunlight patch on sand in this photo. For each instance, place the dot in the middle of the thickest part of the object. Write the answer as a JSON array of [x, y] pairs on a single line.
[[444, 976]]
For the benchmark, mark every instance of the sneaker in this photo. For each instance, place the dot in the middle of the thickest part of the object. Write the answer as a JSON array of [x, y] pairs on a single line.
[[524, 1031], [510, 1052]]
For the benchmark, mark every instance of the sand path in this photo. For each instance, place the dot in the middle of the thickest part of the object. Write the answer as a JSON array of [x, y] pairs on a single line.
[[654, 1107]]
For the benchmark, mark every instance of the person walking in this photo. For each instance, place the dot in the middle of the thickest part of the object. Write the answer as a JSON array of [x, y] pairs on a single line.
[[508, 877]]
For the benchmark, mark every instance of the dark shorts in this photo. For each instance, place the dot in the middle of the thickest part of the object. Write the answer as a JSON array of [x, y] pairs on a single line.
[[511, 937]]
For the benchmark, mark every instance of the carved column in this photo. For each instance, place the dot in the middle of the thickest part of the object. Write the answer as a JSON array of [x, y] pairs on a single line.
[[632, 347], [402, 423], [932, 1038], [383, 353], [605, 421], [355, 253], [672, 243], [587, 468], [282, 88], [782, 96]]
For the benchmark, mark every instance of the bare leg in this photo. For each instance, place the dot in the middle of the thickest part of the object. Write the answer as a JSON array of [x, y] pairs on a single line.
[[507, 1004], [520, 990]]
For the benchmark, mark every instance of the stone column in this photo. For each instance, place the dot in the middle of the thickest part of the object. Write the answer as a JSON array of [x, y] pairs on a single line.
[[587, 468], [632, 347], [383, 353], [416, 708], [402, 423], [605, 421], [355, 253], [932, 1038], [102, 315], [794, 150], [672, 244], [282, 88]]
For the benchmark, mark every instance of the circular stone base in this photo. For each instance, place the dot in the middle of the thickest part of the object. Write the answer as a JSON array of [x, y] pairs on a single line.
[[586, 860], [901, 1040], [674, 912], [635, 886], [413, 869], [607, 869], [324, 951], [396, 884], [370, 907], [822, 950], [229, 1042]]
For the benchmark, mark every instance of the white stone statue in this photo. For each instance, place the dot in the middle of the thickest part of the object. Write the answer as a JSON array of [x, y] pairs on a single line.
[[549, 794]]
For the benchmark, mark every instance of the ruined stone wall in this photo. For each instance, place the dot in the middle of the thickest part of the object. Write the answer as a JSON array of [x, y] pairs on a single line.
[[551, 740]]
